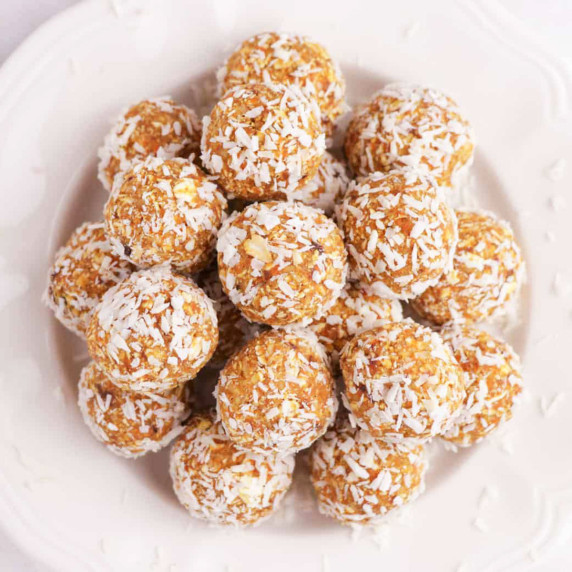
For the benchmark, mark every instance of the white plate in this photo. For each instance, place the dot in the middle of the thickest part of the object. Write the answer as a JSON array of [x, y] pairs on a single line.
[[70, 503]]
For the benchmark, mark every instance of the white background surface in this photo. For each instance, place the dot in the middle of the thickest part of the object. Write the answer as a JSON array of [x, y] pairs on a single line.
[[550, 20]]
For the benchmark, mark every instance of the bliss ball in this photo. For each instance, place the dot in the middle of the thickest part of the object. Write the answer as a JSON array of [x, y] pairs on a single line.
[[492, 378], [277, 394], [291, 60], [220, 483], [355, 311], [84, 269], [165, 211], [281, 263], [487, 271], [358, 479], [412, 126], [402, 382], [129, 423], [156, 126], [262, 141], [328, 186], [234, 330], [399, 232], [153, 331]]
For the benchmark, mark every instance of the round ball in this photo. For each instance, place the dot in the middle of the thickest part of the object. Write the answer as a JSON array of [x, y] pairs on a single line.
[[129, 423], [413, 126], [328, 186], [218, 482], [165, 211], [355, 311], [281, 263], [262, 141], [153, 331], [156, 126], [402, 382], [291, 60], [84, 269], [234, 330], [358, 479], [487, 271], [399, 232], [277, 393], [493, 381]]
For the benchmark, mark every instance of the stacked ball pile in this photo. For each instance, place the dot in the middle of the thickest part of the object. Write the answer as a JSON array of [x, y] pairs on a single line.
[[301, 282]]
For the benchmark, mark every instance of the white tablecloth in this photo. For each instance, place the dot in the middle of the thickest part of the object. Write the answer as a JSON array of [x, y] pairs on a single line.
[[551, 20]]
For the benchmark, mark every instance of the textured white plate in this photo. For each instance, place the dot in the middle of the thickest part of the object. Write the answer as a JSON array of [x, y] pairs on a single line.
[[76, 507]]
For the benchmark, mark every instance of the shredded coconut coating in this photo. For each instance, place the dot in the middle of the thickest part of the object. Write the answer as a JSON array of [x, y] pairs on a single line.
[[281, 263], [276, 393], [493, 380], [218, 482], [153, 331], [129, 423], [155, 126], [292, 60], [399, 232], [358, 479], [328, 186], [262, 141], [487, 272], [355, 311], [234, 330], [165, 211], [84, 269], [413, 126], [402, 382]]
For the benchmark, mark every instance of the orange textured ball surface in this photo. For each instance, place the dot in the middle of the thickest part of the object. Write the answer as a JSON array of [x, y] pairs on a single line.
[[262, 141], [355, 311], [129, 423], [493, 380], [84, 269], [222, 484], [399, 232], [281, 263], [411, 126], [487, 271], [276, 393], [153, 331], [157, 126], [165, 212], [402, 382], [358, 479], [288, 59]]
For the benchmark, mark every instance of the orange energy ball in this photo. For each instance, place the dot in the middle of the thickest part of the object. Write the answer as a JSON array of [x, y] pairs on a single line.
[[234, 330], [262, 141], [276, 393], [155, 126], [487, 271], [493, 380], [220, 483], [399, 232], [165, 211], [129, 423], [358, 479], [412, 126], [153, 331], [84, 269], [402, 382], [355, 311], [328, 186], [281, 263], [292, 60]]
